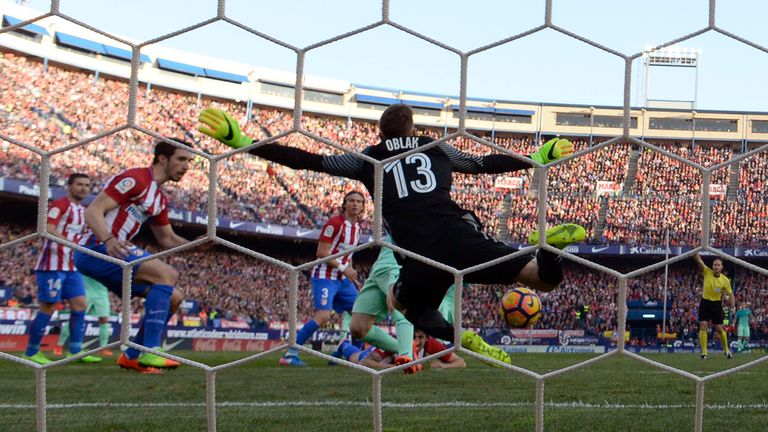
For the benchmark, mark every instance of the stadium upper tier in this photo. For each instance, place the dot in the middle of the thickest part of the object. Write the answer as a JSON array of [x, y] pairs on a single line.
[[60, 41], [53, 94]]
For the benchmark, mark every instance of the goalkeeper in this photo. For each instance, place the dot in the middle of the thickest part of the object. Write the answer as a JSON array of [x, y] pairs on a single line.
[[419, 211]]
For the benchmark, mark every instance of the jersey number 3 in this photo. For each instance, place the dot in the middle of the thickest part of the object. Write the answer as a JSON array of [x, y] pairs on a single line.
[[424, 184]]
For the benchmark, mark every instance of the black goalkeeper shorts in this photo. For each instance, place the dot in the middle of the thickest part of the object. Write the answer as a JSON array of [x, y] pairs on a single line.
[[457, 242]]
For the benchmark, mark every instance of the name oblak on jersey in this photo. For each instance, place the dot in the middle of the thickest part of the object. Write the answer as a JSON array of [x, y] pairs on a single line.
[[401, 143]]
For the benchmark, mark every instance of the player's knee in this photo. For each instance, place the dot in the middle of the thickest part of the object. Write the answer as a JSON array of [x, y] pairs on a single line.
[[171, 276], [322, 317], [176, 300], [77, 303], [359, 328], [47, 308]]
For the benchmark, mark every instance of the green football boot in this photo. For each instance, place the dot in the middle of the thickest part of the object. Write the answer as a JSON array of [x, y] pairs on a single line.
[[560, 236]]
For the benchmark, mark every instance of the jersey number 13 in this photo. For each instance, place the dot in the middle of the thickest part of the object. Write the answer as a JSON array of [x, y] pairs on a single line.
[[424, 184]]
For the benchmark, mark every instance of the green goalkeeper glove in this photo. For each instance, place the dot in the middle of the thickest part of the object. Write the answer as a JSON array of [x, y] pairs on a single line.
[[221, 126], [553, 150]]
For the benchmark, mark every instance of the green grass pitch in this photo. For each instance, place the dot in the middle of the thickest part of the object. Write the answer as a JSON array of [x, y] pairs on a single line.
[[616, 394]]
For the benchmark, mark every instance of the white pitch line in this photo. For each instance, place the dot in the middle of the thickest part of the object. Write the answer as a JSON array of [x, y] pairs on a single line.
[[456, 404]]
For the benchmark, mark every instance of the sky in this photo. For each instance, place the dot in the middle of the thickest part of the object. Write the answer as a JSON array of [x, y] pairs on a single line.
[[544, 67]]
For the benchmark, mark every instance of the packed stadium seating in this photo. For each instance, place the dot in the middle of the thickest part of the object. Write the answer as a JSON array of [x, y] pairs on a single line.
[[54, 107], [49, 107], [257, 293]]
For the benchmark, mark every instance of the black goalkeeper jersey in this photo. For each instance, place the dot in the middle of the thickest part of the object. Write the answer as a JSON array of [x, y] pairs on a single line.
[[416, 188]]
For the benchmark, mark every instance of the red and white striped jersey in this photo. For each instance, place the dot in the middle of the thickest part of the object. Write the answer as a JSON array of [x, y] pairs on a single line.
[[139, 198], [342, 235], [69, 218]]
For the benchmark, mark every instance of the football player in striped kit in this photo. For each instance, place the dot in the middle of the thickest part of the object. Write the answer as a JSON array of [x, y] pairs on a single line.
[[56, 274], [127, 201], [335, 282]]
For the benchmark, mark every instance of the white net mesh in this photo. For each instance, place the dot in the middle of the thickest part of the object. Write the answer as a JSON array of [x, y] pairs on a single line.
[[541, 173]]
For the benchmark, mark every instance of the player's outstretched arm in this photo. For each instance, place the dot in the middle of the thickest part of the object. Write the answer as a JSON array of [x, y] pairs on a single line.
[[552, 150], [219, 125], [455, 362]]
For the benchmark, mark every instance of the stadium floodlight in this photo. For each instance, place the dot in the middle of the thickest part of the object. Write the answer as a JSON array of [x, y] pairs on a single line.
[[672, 56]]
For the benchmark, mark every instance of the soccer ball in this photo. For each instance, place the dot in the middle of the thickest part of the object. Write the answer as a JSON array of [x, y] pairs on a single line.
[[520, 307]]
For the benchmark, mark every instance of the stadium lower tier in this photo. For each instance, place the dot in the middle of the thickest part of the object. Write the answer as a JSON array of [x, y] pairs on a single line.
[[231, 286]]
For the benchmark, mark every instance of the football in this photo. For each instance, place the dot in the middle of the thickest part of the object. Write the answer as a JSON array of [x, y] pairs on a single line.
[[520, 307]]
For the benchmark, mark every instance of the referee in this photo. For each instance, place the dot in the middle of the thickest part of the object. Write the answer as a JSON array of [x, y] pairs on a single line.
[[711, 306]]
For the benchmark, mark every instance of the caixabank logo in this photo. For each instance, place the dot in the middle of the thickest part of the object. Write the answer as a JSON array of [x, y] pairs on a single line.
[[756, 252], [649, 250]]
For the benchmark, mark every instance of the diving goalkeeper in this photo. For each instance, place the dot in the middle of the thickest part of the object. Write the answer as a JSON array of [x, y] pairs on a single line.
[[419, 211]]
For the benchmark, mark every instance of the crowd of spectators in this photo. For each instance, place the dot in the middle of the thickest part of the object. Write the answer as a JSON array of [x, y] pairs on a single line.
[[241, 288], [50, 107]]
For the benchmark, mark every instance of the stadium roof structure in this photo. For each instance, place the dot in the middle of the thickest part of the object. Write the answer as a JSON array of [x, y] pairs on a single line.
[[494, 110], [378, 100], [193, 70], [33, 29], [93, 47]]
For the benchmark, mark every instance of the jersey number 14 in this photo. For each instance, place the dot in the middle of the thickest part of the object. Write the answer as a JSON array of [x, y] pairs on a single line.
[[424, 184]]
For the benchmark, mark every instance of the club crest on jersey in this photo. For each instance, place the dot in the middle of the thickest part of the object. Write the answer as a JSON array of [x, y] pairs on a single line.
[[328, 231], [54, 212], [126, 184]]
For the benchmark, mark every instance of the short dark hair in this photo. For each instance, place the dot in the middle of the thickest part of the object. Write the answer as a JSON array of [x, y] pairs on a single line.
[[167, 149], [718, 259], [76, 176], [396, 121]]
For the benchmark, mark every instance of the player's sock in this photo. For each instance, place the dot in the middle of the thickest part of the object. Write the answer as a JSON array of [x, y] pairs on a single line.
[[380, 338], [345, 320], [36, 332], [306, 332], [703, 341], [724, 341], [404, 330], [63, 335], [76, 331], [156, 308], [365, 353], [550, 267], [302, 336], [133, 353], [104, 334], [348, 349], [432, 322]]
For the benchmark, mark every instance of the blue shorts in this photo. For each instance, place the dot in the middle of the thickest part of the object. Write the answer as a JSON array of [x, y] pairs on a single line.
[[338, 295], [53, 286], [110, 275]]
